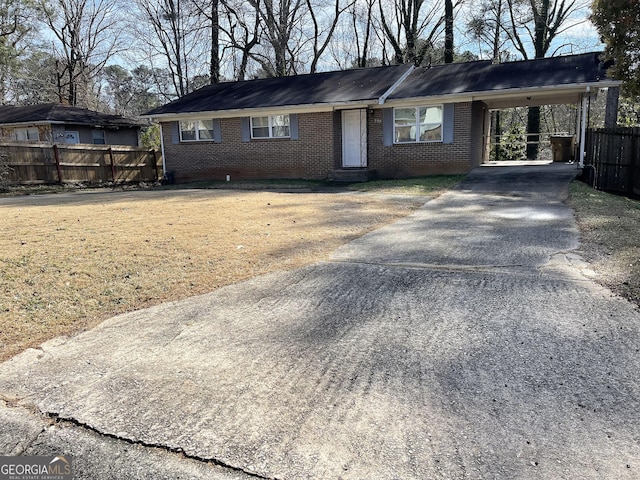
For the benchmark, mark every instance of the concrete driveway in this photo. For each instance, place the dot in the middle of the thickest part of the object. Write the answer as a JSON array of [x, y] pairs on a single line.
[[465, 341]]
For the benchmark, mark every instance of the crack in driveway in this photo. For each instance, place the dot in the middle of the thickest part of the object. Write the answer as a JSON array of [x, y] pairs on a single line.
[[53, 418]]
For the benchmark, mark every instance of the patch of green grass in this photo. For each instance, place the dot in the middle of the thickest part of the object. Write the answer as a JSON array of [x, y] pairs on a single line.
[[413, 186], [581, 192], [45, 189], [17, 190]]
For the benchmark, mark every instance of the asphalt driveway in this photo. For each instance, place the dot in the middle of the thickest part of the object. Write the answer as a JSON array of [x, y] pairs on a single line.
[[465, 341]]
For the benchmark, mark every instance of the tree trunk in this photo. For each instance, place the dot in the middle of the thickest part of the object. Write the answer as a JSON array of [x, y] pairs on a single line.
[[611, 112], [498, 135], [215, 43], [496, 33], [541, 44], [448, 28]]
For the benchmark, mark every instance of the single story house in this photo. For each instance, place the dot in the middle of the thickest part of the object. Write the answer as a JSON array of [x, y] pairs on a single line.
[[56, 123], [386, 122]]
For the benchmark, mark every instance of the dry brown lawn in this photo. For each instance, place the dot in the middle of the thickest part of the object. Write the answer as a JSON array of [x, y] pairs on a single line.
[[68, 261], [610, 238]]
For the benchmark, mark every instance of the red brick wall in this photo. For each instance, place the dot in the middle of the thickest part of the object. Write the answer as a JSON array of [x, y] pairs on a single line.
[[310, 157], [317, 151], [417, 159]]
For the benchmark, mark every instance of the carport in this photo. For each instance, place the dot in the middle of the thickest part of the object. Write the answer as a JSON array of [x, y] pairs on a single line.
[[487, 86], [551, 91]]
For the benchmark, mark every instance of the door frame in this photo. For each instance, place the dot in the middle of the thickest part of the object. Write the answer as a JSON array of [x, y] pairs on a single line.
[[362, 122]]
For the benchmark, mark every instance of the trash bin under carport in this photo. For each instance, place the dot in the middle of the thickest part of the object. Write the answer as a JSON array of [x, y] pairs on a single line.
[[562, 147]]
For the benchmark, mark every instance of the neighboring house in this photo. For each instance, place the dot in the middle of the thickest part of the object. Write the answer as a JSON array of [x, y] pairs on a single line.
[[385, 122], [55, 123]]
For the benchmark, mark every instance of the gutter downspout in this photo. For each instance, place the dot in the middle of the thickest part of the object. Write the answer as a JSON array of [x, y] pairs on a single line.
[[392, 88], [164, 165], [583, 127]]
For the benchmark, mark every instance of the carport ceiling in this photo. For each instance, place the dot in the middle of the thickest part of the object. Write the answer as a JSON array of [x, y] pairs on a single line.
[[524, 98]]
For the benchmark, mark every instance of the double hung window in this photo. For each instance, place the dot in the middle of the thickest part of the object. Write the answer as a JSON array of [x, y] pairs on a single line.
[[98, 137], [196, 130], [271, 126], [417, 124], [27, 134]]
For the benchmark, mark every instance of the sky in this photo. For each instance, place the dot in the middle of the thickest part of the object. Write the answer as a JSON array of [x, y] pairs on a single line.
[[579, 36]]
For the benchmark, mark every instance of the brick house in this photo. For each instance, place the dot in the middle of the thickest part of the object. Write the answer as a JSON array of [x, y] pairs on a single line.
[[56, 123], [383, 122]]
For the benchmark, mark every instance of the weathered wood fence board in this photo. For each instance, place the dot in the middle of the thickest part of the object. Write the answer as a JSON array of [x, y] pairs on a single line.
[[47, 163], [613, 154]]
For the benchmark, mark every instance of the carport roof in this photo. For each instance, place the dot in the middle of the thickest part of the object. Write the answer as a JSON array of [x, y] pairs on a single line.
[[529, 82], [484, 76]]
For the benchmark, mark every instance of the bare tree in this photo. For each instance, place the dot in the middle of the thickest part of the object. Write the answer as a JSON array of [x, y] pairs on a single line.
[[411, 28], [538, 23], [17, 22], [281, 34], [211, 13], [488, 25], [319, 44], [355, 41], [86, 38], [242, 29], [170, 32], [364, 17]]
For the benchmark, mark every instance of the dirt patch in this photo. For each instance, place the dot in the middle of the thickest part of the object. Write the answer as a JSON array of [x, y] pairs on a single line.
[[69, 261], [610, 238]]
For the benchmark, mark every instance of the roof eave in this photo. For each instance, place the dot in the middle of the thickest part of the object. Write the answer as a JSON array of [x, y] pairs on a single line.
[[244, 112], [61, 122], [506, 93], [21, 124]]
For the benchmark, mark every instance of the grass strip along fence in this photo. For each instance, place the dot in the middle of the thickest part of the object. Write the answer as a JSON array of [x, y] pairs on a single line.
[[28, 164]]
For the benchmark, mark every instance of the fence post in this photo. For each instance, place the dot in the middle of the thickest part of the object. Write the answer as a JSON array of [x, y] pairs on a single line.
[[154, 156], [113, 167], [56, 156], [633, 160]]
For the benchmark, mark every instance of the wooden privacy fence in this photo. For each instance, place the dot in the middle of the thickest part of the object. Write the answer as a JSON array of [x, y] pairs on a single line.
[[47, 163], [612, 160]]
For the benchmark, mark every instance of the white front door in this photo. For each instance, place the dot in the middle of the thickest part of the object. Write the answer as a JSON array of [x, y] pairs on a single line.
[[354, 138]]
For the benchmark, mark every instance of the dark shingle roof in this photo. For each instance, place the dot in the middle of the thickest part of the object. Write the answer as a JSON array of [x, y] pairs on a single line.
[[483, 76], [53, 112], [369, 84], [319, 88]]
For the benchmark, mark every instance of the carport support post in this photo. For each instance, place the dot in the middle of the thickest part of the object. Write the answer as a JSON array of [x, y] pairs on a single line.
[[583, 126], [486, 134]]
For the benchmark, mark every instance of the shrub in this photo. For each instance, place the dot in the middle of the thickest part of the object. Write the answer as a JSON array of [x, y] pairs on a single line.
[[5, 172], [513, 144]]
